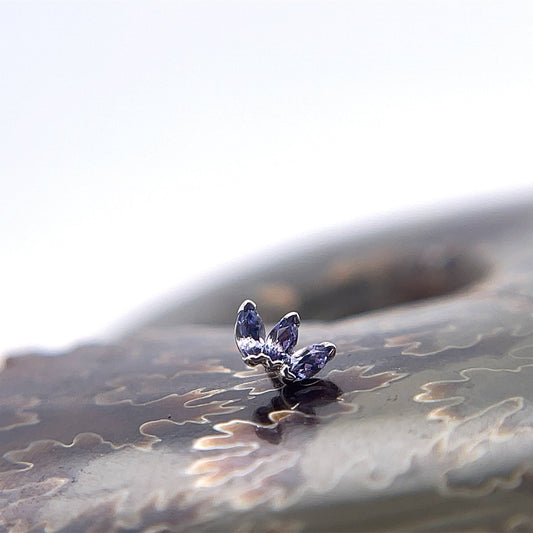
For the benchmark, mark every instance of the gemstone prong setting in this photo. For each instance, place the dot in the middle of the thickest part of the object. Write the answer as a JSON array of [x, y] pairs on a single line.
[[276, 352]]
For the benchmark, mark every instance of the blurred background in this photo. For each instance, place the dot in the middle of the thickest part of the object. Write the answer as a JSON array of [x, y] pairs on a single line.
[[148, 146]]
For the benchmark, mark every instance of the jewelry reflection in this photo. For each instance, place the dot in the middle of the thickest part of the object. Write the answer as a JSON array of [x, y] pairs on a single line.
[[305, 398]]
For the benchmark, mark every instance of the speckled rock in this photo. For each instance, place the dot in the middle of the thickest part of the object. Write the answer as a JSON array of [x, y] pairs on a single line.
[[422, 422]]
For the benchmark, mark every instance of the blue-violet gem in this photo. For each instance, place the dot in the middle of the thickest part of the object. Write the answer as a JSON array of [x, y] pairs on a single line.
[[305, 363], [283, 337], [249, 330]]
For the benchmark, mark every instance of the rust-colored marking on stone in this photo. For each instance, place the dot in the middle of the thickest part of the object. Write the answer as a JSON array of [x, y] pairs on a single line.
[[15, 411], [359, 379]]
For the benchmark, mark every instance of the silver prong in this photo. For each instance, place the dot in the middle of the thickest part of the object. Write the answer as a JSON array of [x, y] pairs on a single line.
[[332, 347], [286, 375], [253, 360], [247, 303], [292, 313]]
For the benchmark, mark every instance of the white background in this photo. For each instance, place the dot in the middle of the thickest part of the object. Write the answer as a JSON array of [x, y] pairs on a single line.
[[144, 146]]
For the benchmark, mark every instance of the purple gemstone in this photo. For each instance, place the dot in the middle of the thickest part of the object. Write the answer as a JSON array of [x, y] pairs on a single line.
[[305, 363], [249, 330], [283, 337]]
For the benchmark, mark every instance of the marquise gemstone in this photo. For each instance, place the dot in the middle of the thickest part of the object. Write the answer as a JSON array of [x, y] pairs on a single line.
[[249, 330], [283, 337], [305, 363]]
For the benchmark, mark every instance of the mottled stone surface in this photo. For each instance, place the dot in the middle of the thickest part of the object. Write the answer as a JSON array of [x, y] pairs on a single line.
[[422, 422]]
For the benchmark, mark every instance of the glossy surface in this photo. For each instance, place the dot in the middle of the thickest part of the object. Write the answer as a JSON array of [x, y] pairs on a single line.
[[422, 422]]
